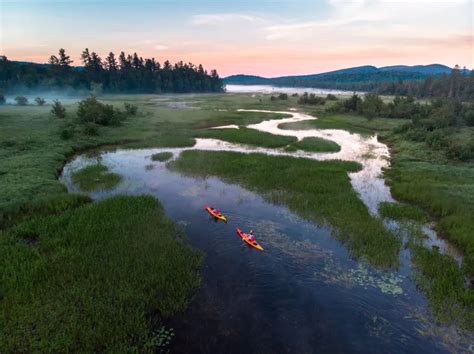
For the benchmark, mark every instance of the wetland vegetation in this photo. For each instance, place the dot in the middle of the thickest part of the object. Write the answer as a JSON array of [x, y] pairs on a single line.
[[432, 182], [95, 177], [162, 156], [99, 277]]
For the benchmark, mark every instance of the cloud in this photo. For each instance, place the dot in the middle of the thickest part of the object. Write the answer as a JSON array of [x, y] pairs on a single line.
[[215, 19], [161, 47], [369, 19]]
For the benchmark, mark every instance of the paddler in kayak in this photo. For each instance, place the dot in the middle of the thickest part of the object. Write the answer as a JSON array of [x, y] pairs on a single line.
[[215, 213], [250, 236]]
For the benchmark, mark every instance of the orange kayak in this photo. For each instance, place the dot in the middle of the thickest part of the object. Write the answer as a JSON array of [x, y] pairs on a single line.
[[214, 214], [243, 236]]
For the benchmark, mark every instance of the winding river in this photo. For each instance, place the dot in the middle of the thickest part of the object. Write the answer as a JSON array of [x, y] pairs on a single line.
[[306, 293]]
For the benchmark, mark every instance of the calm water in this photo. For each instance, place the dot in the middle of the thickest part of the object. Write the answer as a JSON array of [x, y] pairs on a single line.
[[303, 295]]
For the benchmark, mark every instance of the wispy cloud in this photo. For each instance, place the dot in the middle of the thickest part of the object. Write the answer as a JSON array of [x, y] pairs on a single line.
[[370, 19], [214, 19], [161, 47]]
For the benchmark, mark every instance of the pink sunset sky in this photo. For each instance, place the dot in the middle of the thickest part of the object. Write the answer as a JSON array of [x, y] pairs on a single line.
[[268, 38]]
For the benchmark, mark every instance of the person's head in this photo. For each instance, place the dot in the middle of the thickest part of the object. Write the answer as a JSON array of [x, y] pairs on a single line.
[[251, 231]]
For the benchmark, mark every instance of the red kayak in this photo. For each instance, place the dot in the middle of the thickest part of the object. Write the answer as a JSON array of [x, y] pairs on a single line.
[[252, 243], [211, 211]]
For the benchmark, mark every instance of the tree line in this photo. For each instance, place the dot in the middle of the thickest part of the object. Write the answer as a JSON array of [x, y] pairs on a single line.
[[459, 84], [127, 73]]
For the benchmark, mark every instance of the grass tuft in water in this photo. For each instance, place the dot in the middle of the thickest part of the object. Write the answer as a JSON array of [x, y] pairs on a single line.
[[314, 144], [162, 156], [95, 177], [99, 278]]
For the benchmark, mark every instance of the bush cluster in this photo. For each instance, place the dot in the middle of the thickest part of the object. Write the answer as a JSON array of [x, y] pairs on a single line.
[[311, 99], [90, 110], [281, 96]]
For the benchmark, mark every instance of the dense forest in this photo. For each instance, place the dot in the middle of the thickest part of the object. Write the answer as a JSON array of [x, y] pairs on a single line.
[[459, 84], [125, 74]]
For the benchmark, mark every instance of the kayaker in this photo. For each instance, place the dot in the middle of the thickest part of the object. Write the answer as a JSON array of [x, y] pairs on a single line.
[[250, 236]]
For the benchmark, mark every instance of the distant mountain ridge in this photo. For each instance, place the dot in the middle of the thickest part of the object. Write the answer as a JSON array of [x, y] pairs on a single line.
[[367, 71]]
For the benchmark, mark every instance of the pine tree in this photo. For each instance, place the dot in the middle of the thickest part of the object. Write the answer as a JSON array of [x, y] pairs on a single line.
[[64, 60], [111, 62], [85, 57]]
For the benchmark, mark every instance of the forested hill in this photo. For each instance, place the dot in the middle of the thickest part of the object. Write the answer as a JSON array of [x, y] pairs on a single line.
[[421, 80], [125, 74]]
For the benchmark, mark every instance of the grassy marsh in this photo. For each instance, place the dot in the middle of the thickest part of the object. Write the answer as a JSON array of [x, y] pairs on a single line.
[[33, 148], [444, 189], [100, 277]]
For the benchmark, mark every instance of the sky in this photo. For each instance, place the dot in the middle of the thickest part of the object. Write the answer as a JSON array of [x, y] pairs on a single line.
[[261, 37]]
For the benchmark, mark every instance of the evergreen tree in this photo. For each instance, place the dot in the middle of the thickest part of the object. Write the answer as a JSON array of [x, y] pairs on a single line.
[[64, 60], [111, 62], [53, 60]]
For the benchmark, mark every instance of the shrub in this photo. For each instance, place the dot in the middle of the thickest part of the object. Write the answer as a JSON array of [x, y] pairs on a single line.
[[311, 99], [40, 101], [469, 117], [295, 95], [352, 104], [273, 98], [58, 110], [2, 99], [92, 111], [91, 129], [67, 133], [436, 138], [371, 106], [331, 97], [130, 109], [283, 96], [21, 100], [461, 151]]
